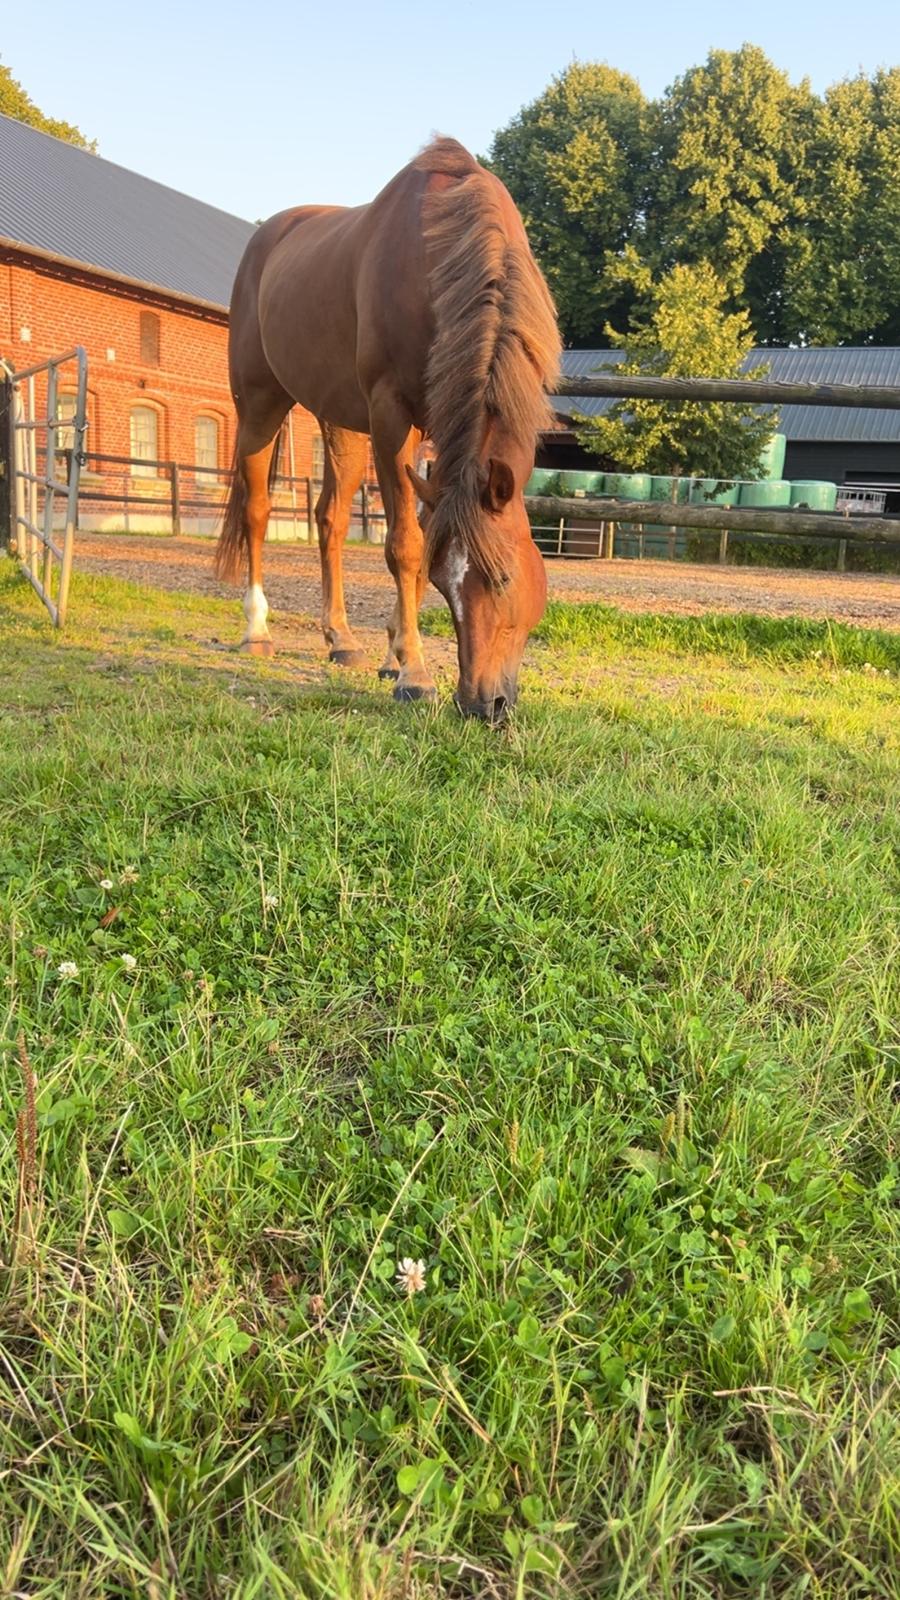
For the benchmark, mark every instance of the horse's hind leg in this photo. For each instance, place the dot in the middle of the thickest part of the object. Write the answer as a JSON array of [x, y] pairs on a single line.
[[260, 415], [346, 455], [256, 467]]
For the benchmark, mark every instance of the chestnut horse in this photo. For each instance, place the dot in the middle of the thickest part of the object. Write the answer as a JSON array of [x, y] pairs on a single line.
[[421, 313]]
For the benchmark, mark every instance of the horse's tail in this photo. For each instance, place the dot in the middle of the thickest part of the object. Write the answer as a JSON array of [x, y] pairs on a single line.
[[231, 549]]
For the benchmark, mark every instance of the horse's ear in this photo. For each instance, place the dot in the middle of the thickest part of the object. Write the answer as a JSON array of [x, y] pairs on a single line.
[[423, 486], [500, 485]]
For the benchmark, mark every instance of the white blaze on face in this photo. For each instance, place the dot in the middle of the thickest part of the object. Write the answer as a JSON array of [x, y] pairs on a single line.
[[457, 567], [256, 609]]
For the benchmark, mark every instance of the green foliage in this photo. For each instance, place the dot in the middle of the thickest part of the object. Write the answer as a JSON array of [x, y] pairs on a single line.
[[731, 143], [597, 1017], [792, 198], [14, 102], [843, 255], [576, 161], [686, 331]]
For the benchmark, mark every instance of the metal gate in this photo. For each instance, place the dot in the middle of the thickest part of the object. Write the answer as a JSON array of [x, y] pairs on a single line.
[[46, 443]]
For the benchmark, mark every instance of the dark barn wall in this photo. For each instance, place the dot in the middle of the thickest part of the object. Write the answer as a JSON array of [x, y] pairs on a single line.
[[843, 463]]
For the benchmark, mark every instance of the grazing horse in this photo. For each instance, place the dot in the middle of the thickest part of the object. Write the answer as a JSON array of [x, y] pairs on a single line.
[[423, 312]]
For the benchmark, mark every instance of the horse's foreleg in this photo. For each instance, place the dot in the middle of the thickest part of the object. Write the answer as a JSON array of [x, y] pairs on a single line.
[[395, 443], [346, 455]]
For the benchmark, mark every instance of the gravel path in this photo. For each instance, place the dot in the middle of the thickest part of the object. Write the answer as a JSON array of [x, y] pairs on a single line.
[[292, 583]]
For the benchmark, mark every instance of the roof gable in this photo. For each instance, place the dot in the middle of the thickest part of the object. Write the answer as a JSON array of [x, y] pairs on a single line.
[[66, 202]]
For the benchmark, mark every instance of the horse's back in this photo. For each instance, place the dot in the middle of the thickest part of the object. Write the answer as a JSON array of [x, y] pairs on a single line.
[[302, 282]]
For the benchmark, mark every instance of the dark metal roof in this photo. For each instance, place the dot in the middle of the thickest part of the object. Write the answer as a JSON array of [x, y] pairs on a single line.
[[64, 202], [826, 364]]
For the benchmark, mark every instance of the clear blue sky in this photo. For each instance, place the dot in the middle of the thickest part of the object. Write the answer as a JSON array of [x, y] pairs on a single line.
[[256, 106]]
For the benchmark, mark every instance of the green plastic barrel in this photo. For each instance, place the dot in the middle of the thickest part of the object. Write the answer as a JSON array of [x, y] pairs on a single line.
[[775, 493], [629, 485], [543, 480], [714, 492], [673, 489], [771, 461], [814, 494], [581, 484]]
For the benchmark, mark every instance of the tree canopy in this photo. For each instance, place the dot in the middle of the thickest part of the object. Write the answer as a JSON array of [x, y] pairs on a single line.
[[14, 102], [792, 198], [684, 331], [576, 162]]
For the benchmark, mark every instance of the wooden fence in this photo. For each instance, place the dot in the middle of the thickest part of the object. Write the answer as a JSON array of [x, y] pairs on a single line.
[[780, 526]]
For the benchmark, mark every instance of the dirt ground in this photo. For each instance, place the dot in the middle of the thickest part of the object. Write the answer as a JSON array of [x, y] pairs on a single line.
[[292, 584]]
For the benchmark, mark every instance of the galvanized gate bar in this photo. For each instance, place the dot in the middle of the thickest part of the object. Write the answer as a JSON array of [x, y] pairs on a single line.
[[857, 396], [38, 546]]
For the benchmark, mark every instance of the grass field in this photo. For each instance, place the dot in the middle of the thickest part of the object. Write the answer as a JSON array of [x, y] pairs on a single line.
[[597, 1018]]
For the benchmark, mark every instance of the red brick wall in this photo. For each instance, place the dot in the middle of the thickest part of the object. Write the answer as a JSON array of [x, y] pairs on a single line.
[[62, 307]]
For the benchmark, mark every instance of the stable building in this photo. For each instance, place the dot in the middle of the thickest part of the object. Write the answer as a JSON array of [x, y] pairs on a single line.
[[140, 275], [859, 450]]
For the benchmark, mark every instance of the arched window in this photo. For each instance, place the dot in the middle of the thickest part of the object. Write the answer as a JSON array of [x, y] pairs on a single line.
[[144, 441], [206, 448]]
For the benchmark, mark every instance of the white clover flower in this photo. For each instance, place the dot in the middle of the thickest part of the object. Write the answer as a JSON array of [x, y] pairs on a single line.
[[411, 1275], [106, 883], [270, 901], [129, 963], [68, 969]]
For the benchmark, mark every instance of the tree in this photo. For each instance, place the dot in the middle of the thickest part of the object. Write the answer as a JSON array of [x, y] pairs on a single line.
[[843, 259], [730, 144], [14, 102], [688, 333], [575, 161]]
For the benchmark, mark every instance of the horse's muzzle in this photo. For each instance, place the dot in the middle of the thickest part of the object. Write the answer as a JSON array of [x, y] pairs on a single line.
[[492, 709]]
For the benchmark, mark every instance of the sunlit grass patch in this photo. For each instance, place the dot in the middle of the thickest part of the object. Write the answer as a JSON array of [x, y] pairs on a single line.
[[596, 1019]]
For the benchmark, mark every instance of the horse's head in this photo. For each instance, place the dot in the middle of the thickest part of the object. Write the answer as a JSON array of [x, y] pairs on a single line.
[[494, 602]]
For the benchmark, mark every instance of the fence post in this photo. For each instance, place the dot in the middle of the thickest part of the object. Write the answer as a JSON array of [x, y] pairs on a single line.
[[6, 461], [365, 512], [176, 497], [842, 555], [309, 510], [723, 547]]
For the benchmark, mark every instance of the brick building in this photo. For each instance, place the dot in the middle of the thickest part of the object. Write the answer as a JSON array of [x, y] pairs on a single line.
[[141, 276]]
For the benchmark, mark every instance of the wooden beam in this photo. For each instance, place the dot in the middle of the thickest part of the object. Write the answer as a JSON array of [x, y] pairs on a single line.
[[802, 524], [749, 391]]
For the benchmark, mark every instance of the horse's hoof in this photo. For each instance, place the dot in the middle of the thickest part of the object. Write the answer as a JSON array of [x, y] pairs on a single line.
[[257, 647], [348, 658], [389, 672], [405, 692]]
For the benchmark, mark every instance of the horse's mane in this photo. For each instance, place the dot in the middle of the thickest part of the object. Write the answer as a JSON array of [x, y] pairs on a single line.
[[496, 346]]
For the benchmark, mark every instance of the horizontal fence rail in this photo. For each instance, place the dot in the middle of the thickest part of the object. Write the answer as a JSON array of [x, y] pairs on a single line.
[[799, 524], [756, 391], [136, 495]]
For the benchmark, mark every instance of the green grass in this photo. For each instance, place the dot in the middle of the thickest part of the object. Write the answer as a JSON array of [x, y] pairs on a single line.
[[597, 1017], [741, 638]]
